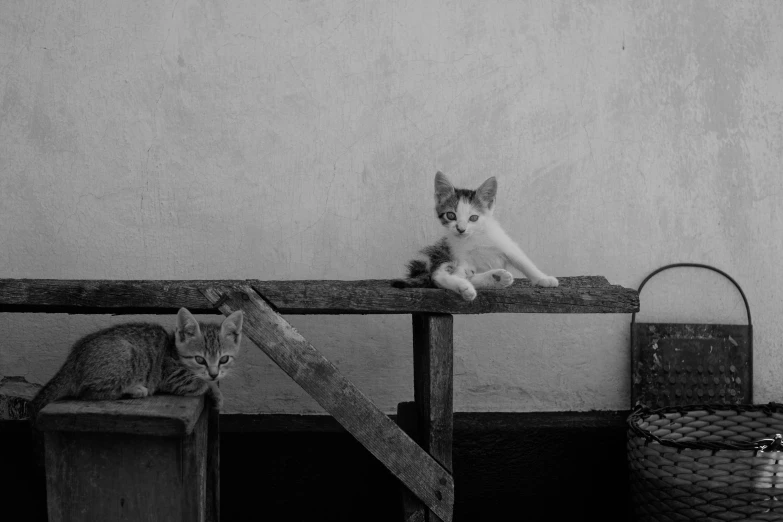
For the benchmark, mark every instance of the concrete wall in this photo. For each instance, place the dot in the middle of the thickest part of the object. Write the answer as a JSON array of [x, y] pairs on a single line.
[[298, 140]]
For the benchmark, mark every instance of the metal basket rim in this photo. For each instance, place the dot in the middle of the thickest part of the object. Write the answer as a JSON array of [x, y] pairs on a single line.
[[642, 411]]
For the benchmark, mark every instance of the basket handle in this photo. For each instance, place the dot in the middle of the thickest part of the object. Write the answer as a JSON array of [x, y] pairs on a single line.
[[695, 265]]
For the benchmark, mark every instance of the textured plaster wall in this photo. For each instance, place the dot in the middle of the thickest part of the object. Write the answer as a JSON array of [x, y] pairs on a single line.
[[286, 140]]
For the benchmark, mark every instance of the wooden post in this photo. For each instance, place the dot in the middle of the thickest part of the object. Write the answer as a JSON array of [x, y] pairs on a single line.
[[413, 510], [433, 385]]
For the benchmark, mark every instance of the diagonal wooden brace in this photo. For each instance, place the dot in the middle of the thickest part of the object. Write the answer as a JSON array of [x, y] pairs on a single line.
[[415, 468]]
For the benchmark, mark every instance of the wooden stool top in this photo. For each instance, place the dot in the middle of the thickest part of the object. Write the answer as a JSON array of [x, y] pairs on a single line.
[[159, 415]]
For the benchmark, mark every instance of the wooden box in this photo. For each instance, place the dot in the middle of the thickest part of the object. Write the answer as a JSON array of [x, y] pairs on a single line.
[[151, 459]]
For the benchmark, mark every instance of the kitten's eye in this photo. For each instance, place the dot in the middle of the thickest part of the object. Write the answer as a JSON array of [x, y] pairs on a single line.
[[451, 215], [474, 218], [224, 359], [200, 360]]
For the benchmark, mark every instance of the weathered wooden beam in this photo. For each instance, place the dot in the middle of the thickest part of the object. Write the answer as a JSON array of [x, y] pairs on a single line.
[[420, 473], [433, 386], [101, 296], [574, 295], [586, 294]]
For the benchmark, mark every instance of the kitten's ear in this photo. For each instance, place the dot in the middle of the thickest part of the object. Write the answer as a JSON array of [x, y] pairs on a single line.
[[232, 326], [443, 187], [487, 192], [187, 326]]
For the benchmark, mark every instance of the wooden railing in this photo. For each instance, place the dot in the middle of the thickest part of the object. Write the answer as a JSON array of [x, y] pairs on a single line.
[[423, 466]]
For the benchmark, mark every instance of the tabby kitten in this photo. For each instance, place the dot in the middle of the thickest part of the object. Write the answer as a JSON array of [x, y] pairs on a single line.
[[141, 359], [475, 251]]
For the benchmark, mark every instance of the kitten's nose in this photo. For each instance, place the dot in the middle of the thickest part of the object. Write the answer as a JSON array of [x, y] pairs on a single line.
[[461, 230], [213, 375]]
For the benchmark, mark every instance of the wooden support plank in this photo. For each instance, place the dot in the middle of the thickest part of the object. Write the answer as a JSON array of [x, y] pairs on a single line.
[[413, 510], [587, 294], [433, 378], [428, 480]]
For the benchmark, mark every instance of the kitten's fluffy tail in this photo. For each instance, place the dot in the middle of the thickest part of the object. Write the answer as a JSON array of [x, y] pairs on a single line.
[[418, 276], [58, 387]]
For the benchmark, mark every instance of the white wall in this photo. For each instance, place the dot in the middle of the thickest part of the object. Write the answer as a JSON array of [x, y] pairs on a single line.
[[193, 139]]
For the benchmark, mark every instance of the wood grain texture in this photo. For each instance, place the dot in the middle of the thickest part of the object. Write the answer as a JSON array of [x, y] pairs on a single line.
[[413, 510], [433, 385], [119, 476], [585, 294], [159, 415], [427, 479]]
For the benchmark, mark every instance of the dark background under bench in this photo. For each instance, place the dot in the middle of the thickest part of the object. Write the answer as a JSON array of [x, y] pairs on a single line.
[[507, 466]]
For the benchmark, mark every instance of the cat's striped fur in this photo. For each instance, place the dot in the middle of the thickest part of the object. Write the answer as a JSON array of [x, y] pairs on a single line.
[[140, 359]]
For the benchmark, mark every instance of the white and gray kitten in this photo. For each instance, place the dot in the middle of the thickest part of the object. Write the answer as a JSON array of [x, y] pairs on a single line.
[[475, 251]]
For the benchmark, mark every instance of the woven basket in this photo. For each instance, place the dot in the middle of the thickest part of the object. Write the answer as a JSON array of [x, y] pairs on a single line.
[[707, 463]]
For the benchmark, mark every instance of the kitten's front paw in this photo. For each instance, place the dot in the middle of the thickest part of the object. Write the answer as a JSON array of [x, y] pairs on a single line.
[[467, 292], [138, 391], [502, 278], [216, 396], [546, 282], [217, 402]]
